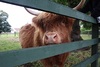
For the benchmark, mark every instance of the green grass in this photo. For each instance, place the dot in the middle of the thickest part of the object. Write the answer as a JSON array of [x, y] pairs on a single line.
[[85, 36], [9, 42]]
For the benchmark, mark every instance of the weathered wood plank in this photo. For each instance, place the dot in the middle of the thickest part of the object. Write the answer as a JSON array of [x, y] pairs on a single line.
[[50, 6], [13, 58]]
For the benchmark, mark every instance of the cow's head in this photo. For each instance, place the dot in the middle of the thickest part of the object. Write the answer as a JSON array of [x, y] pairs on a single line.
[[52, 28]]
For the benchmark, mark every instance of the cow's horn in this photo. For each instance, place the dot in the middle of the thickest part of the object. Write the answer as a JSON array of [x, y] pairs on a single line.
[[36, 13], [80, 5], [32, 11]]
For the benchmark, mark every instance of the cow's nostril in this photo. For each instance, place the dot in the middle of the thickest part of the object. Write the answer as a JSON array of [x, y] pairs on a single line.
[[51, 37], [54, 36], [46, 37]]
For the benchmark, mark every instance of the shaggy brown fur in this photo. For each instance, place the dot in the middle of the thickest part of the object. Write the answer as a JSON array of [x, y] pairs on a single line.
[[32, 35]]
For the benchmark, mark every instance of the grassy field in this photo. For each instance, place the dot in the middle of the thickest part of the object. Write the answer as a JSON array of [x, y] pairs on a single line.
[[85, 36], [11, 42]]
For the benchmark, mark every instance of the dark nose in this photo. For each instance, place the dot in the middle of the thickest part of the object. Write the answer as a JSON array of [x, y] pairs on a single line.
[[51, 37]]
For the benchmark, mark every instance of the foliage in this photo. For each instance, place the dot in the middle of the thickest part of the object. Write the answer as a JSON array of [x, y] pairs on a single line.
[[70, 3], [76, 57], [4, 25], [87, 25]]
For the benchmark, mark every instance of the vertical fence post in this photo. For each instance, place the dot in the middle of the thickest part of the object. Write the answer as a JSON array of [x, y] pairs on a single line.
[[94, 50]]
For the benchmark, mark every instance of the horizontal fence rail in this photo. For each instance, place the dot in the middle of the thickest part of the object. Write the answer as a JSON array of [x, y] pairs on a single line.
[[50, 6], [11, 58]]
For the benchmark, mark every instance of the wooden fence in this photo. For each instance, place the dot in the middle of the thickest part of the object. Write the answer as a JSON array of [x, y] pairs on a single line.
[[18, 57]]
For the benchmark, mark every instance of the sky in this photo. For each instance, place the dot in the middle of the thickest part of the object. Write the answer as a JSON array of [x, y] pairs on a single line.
[[18, 16]]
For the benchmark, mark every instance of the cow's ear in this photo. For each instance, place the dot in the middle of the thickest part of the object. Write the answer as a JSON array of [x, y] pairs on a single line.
[[36, 21]]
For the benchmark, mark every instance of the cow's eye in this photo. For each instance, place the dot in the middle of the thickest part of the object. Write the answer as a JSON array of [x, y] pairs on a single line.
[[43, 26], [63, 24]]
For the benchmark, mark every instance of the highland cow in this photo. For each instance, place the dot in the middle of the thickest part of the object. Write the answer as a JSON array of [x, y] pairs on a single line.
[[47, 29]]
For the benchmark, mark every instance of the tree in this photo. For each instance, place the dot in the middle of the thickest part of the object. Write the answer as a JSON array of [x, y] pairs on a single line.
[[4, 25]]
